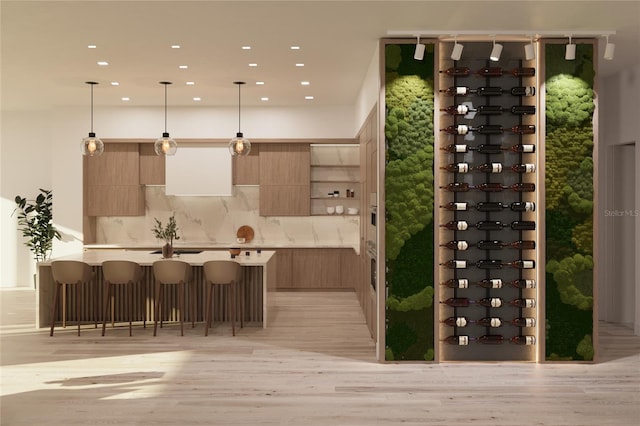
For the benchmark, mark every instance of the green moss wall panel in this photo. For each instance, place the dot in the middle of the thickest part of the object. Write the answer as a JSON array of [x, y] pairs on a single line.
[[409, 203], [569, 99]]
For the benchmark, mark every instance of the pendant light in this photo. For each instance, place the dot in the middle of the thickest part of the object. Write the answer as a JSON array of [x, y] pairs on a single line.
[[165, 145], [239, 145], [92, 145]]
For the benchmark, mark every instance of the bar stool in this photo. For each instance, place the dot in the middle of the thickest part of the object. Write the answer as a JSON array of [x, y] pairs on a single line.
[[226, 273], [173, 272], [118, 273], [65, 273]]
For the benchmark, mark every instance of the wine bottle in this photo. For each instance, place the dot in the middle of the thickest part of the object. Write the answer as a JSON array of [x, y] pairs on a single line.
[[457, 340], [487, 149], [464, 91], [523, 206], [489, 187], [490, 245], [490, 206], [523, 322], [455, 206], [523, 225], [456, 148], [490, 72], [456, 187], [457, 91], [523, 109], [524, 168], [456, 168], [493, 322], [523, 91], [490, 225], [456, 283], [488, 168], [523, 245], [456, 245], [522, 72], [464, 302], [489, 283], [456, 225], [522, 283], [463, 109], [524, 129], [490, 302], [523, 303], [456, 109], [455, 264], [457, 302], [456, 71], [522, 264], [527, 148], [490, 339], [523, 187], [523, 340], [463, 129], [489, 264], [456, 321]]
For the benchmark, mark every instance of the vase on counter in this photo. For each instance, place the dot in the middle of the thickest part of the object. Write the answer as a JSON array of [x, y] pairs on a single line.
[[167, 251]]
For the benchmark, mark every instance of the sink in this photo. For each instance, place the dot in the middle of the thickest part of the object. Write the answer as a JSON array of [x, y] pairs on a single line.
[[179, 251]]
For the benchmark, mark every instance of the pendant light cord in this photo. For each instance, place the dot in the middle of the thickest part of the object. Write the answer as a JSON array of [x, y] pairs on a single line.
[[165, 108], [91, 107], [239, 131]]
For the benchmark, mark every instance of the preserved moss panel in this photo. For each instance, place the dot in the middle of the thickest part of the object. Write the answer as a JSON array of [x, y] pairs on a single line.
[[569, 203], [409, 203]]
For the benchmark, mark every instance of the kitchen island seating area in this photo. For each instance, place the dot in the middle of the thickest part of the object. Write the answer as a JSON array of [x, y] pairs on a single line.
[[174, 273], [144, 301], [120, 273], [66, 273]]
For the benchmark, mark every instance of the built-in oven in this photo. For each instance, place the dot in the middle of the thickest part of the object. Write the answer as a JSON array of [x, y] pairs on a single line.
[[374, 215], [372, 253]]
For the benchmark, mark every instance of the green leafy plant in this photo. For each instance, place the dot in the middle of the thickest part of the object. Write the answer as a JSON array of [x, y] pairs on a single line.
[[36, 220], [167, 233]]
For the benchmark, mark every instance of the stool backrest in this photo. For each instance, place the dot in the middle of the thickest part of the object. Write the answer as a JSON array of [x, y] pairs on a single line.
[[121, 271], [71, 271], [221, 271], [171, 271]]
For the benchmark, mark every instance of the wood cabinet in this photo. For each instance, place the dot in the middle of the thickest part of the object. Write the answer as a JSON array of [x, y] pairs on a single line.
[[284, 179], [112, 182], [321, 268], [152, 167], [246, 169]]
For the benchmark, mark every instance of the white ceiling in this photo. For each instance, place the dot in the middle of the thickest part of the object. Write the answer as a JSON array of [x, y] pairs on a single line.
[[45, 59]]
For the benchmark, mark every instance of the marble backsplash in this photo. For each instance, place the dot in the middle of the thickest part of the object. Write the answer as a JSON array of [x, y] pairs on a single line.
[[215, 220]]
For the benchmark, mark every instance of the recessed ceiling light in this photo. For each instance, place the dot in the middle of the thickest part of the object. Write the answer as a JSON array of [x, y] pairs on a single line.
[[295, 47], [191, 83], [309, 98], [175, 46], [253, 65], [305, 83], [126, 99], [103, 63], [183, 67], [92, 46], [115, 83], [246, 47], [197, 99], [264, 98], [299, 65], [259, 83]]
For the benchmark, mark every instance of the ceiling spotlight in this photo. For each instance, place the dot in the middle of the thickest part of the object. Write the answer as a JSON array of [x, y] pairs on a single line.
[[609, 50], [92, 145], [529, 51], [570, 51], [419, 52], [456, 53], [496, 51], [165, 145]]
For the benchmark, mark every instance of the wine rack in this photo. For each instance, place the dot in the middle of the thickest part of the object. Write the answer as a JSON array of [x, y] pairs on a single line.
[[487, 195]]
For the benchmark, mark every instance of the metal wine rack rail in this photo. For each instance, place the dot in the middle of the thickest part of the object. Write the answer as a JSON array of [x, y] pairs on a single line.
[[457, 340]]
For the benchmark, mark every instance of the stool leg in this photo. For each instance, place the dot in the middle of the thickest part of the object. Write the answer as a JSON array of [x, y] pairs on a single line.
[[78, 306], [241, 285], [54, 307], [107, 300], [207, 310], [156, 311], [192, 285], [64, 305], [232, 310], [181, 294], [130, 307]]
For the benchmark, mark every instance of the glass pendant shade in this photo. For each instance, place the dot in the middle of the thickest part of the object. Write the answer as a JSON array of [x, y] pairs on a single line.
[[239, 145], [92, 145], [165, 145]]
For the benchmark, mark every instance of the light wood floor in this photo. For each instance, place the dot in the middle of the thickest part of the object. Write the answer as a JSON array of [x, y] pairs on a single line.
[[314, 366]]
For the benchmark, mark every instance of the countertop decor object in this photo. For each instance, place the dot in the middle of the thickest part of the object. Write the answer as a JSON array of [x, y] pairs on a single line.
[[246, 232], [167, 233]]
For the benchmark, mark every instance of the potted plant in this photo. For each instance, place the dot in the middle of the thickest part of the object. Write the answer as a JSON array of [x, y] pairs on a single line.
[[167, 233], [36, 220]]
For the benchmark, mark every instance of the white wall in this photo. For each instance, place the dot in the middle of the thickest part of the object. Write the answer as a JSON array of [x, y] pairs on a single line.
[[42, 149], [619, 290], [369, 91]]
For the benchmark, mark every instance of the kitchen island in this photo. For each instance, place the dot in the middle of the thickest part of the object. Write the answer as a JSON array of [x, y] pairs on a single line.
[[258, 269]]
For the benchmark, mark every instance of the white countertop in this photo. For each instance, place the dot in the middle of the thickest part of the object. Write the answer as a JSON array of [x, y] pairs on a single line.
[[207, 245]]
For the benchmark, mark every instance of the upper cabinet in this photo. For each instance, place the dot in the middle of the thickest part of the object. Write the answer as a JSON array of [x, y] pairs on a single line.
[[284, 179], [246, 168], [152, 167], [335, 177]]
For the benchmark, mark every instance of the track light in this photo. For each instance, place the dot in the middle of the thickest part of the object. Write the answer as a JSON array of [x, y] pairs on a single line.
[[456, 53], [419, 53], [496, 51], [609, 50], [570, 51], [529, 51]]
